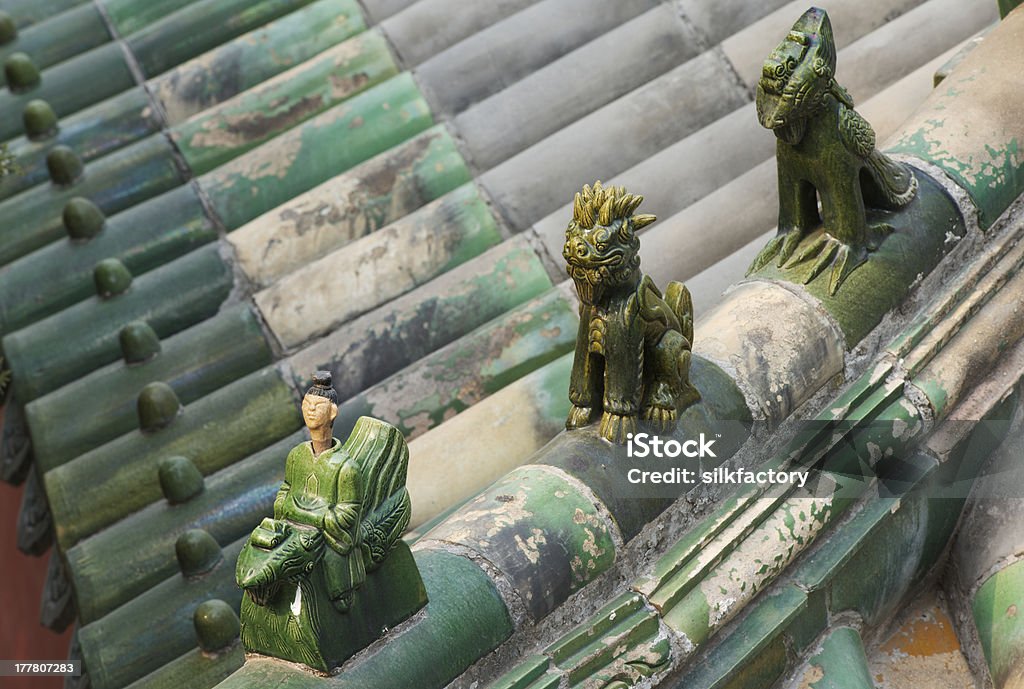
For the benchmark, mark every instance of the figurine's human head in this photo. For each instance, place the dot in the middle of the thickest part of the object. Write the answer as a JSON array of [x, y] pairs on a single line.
[[320, 403]]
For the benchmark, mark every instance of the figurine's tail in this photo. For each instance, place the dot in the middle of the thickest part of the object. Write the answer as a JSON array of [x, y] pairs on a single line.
[[383, 457], [383, 527], [679, 300], [893, 183]]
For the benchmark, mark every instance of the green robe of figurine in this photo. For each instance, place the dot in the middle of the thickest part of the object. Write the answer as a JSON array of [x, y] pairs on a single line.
[[323, 491]]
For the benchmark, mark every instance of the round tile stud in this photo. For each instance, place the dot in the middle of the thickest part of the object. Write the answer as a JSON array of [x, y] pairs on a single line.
[[157, 406], [8, 31], [64, 165], [111, 278], [20, 72], [39, 119], [138, 342], [216, 625], [83, 219], [180, 480], [197, 552]]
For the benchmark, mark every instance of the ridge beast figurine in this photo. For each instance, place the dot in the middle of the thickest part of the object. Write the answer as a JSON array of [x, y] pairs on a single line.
[[824, 150], [328, 572], [633, 345]]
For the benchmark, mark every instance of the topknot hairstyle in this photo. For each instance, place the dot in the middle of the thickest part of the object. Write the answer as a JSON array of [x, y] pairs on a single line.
[[322, 386]]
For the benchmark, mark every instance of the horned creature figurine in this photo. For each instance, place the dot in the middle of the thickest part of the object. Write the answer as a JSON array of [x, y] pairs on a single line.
[[824, 149], [633, 345], [329, 571]]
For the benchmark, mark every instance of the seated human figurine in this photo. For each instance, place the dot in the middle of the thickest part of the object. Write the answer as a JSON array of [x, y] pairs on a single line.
[[321, 490], [633, 346], [312, 594]]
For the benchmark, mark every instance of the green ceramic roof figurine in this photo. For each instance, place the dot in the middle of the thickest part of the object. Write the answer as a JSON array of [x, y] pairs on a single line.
[[824, 150], [329, 573], [633, 345]]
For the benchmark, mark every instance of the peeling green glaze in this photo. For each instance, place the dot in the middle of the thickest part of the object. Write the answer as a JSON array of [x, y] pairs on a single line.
[[113, 183], [994, 177], [750, 656], [67, 345], [969, 128], [214, 431], [196, 85], [91, 133], [154, 628], [378, 344], [921, 237], [823, 566], [167, 226], [885, 425], [327, 145], [199, 27], [382, 266], [451, 379], [621, 642], [70, 86], [33, 291], [842, 662], [389, 186], [750, 566], [61, 37], [996, 614], [235, 498], [213, 137], [677, 571], [194, 363], [240, 64], [539, 531]]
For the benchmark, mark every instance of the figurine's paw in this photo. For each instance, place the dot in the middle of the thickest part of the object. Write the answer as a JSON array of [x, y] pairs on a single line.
[[828, 251], [781, 246], [578, 417], [662, 418], [615, 427]]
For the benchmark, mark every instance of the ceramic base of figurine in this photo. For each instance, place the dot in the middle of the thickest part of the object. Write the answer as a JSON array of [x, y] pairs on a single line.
[[302, 625]]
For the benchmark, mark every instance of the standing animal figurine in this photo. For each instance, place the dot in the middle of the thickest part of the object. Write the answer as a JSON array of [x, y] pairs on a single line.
[[633, 345], [825, 151], [338, 517]]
